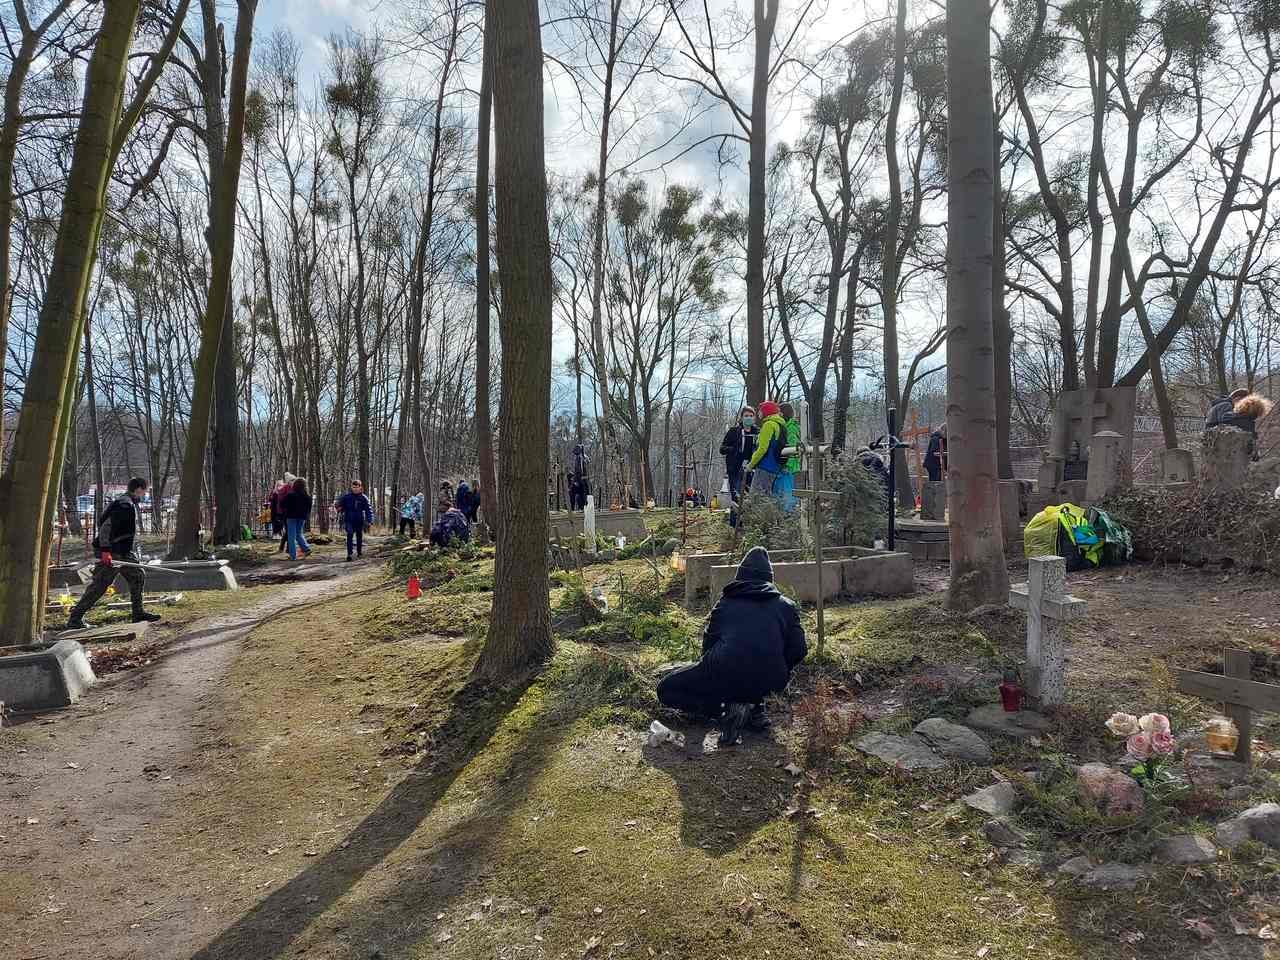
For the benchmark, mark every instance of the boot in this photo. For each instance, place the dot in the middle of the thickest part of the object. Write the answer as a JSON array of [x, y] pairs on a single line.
[[76, 622], [758, 722], [731, 724], [141, 615]]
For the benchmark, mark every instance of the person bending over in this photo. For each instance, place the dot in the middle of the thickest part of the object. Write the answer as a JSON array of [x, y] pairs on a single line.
[[752, 642]]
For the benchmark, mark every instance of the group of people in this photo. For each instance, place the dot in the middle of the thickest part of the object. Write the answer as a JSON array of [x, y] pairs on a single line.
[[456, 511], [753, 454], [289, 511]]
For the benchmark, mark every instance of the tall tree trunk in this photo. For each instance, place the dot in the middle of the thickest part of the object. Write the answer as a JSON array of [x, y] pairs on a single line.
[[766, 18], [224, 451], [27, 488], [844, 389], [222, 234], [978, 573], [890, 254], [520, 627], [484, 376], [99, 477], [1002, 332]]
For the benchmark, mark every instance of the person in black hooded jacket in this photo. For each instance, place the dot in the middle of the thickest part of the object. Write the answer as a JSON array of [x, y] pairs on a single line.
[[752, 642]]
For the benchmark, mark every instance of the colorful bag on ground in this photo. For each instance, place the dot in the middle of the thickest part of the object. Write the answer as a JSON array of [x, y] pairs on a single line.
[[1117, 541], [1062, 530]]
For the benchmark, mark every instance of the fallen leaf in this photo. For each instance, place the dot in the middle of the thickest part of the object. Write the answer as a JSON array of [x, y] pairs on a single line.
[[579, 851], [792, 769], [983, 952], [272, 851], [475, 916], [1268, 933], [487, 903], [631, 823], [445, 937], [1133, 937], [311, 853], [598, 911], [592, 944], [1201, 929]]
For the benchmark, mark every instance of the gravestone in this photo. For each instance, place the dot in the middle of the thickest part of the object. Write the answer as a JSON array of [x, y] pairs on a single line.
[[1010, 492], [1106, 468], [933, 500], [1176, 466], [1048, 607], [45, 679], [1224, 458], [180, 575], [1078, 416]]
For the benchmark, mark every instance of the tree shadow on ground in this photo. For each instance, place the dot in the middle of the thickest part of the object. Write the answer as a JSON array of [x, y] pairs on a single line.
[[723, 796], [274, 923], [442, 872]]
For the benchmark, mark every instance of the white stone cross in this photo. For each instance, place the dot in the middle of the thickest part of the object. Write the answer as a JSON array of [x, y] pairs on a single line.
[[1048, 607], [589, 523]]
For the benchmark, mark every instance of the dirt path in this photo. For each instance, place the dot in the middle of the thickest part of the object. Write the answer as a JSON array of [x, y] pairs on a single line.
[[85, 789]]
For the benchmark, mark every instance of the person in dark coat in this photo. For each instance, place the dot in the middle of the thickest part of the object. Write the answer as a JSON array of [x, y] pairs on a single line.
[[738, 445], [118, 529], [450, 526], [935, 457], [356, 513], [752, 642], [1223, 410], [472, 511], [874, 465], [297, 510]]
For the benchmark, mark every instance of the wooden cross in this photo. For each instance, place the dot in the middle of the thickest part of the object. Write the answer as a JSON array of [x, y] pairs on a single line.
[[1238, 694], [913, 437], [1048, 607]]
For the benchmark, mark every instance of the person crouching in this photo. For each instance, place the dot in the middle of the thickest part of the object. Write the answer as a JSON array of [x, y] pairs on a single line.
[[752, 642]]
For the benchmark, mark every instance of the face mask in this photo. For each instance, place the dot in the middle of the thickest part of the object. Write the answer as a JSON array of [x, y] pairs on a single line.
[[748, 421]]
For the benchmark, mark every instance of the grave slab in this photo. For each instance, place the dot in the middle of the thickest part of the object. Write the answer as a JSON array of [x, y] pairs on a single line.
[[45, 679], [67, 575], [933, 500], [1186, 849], [880, 575], [195, 575], [1176, 466], [629, 523]]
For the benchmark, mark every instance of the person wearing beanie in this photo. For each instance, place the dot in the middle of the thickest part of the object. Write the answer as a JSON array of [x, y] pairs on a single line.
[[767, 461], [752, 642]]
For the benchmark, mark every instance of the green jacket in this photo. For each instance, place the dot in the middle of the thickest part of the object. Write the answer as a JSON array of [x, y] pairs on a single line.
[[773, 435], [793, 440]]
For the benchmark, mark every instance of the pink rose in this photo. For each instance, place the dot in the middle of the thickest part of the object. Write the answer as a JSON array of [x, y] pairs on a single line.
[[1139, 746], [1154, 723], [1163, 743]]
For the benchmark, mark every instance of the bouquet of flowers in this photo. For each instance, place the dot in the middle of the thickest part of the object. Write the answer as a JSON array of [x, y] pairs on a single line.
[[1149, 742]]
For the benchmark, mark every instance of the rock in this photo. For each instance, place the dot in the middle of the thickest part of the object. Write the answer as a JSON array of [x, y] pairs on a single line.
[[1233, 833], [1186, 849], [1031, 859], [954, 741], [1000, 833], [1264, 823], [1115, 876], [1021, 724], [996, 800], [909, 753], [1239, 792], [1076, 867], [1206, 770], [1109, 790]]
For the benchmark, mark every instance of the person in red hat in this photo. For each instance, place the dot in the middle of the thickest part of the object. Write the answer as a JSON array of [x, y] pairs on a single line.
[[767, 461]]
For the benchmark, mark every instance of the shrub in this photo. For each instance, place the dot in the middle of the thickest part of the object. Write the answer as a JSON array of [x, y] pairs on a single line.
[[1189, 526], [765, 524], [859, 514]]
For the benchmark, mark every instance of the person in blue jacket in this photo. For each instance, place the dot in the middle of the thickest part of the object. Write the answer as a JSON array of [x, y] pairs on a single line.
[[356, 513], [752, 642]]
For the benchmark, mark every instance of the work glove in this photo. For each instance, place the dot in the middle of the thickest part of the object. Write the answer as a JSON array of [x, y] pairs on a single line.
[[106, 558]]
